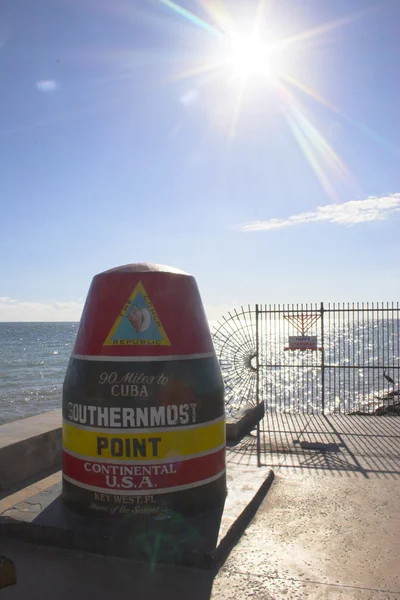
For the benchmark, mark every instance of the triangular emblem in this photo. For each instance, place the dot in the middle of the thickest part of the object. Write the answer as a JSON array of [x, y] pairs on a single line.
[[138, 323]]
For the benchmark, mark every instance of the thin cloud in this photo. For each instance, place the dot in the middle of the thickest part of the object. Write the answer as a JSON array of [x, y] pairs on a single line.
[[46, 85], [22, 310], [374, 208]]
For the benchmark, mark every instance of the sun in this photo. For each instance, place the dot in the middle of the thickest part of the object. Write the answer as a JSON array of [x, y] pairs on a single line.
[[249, 56]]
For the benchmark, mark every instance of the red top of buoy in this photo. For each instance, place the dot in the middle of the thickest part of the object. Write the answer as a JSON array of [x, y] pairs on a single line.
[[143, 310]]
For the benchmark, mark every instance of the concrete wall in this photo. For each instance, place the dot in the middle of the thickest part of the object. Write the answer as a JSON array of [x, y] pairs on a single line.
[[28, 447]]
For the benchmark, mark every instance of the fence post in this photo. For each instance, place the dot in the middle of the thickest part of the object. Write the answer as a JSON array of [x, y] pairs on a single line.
[[258, 387], [322, 359]]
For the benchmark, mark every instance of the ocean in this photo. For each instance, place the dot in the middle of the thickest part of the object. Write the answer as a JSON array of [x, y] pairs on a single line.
[[358, 358], [33, 362]]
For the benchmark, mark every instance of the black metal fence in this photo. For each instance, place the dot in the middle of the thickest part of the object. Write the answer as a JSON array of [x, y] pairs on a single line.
[[311, 358]]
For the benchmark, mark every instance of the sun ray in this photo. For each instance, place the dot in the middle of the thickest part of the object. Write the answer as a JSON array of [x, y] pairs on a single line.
[[358, 124], [310, 155], [314, 144], [260, 11], [308, 91], [219, 14], [236, 112], [187, 14], [324, 148], [318, 31], [193, 72]]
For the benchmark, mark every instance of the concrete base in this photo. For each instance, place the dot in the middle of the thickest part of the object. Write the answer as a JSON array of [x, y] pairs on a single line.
[[201, 541]]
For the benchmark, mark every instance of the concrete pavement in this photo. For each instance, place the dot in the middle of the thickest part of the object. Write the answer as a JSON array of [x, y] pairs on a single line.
[[328, 529], [330, 525], [319, 537]]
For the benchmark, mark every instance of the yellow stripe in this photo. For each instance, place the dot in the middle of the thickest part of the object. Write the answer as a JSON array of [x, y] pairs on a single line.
[[144, 446]]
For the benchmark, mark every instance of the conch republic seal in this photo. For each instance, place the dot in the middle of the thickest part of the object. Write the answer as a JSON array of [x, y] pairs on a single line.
[[143, 400]]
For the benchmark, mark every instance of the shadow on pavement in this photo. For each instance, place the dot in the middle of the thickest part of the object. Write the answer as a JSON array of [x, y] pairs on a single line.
[[46, 573], [366, 446]]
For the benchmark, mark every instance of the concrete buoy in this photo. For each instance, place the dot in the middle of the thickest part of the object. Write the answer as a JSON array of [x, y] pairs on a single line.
[[143, 400]]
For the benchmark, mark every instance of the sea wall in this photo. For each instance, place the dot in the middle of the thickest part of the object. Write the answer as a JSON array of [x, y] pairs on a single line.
[[29, 447]]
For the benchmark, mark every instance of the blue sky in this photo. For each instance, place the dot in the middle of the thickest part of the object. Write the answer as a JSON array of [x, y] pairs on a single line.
[[252, 144]]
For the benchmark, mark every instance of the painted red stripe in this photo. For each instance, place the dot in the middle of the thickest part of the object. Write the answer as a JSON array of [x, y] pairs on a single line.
[[124, 477]]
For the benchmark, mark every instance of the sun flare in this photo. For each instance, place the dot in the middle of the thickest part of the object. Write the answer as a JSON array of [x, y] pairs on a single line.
[[250, 56], [250, 64]]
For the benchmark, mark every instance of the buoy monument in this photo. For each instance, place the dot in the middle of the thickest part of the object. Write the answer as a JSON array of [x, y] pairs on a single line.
[[143, 400]]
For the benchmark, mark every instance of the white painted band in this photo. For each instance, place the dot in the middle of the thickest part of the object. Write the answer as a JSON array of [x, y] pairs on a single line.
[[149, 492], [142, 358]]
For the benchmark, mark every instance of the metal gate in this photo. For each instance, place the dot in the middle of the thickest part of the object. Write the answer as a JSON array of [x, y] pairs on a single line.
[[311, 358]]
